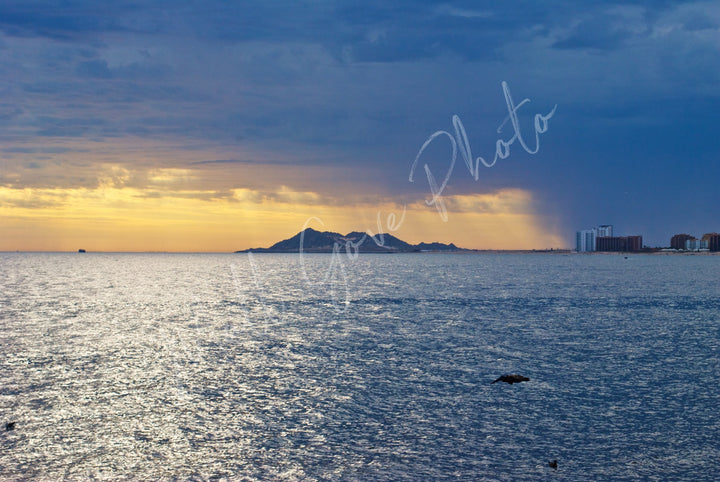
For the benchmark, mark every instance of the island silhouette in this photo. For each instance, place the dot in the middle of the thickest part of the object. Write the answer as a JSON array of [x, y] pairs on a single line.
[[313, 241]]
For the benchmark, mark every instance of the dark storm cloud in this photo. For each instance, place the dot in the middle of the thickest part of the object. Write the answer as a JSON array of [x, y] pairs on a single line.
[[362, 85], [94, 68], [596, 33], [57, 20]]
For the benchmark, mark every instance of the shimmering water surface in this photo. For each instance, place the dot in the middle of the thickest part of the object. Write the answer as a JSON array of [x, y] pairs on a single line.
[[168, 366]]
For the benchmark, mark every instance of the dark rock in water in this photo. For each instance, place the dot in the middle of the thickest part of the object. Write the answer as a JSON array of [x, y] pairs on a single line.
[[512, 379], [553, 464], [81, 250], [9, 426]]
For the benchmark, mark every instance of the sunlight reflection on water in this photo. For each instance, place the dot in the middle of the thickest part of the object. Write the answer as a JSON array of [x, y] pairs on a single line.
[[185, 366]]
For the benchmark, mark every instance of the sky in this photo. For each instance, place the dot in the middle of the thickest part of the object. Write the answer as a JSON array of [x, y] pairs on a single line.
[[217, 126]]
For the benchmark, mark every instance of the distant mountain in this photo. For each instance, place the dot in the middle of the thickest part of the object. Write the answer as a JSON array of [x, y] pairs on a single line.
[[437, 247], [314, 241]]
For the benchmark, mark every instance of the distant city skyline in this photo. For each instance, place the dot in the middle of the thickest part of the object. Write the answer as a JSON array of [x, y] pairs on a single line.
[[708, 241], [217, 126], [601, 238]]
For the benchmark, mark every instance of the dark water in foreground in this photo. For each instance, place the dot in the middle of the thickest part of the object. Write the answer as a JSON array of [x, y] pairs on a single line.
[[122, 366]]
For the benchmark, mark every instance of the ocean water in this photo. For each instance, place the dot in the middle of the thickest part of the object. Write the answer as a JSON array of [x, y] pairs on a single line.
[[272, 367]]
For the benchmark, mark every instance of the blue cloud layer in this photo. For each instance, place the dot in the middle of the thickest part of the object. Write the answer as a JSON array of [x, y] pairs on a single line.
[[364, 84]]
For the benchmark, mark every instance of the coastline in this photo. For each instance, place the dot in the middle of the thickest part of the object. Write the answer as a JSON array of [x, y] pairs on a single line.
[[564, 252]]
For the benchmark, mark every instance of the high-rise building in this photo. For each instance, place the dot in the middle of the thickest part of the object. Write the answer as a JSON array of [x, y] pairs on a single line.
[[713, 241], [679, 241], [605, 230], [619, 243], [585, 241], [635, 243], [695, 244]]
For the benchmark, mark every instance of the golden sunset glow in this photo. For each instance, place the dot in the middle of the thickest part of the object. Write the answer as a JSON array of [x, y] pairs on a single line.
[[110, 218]]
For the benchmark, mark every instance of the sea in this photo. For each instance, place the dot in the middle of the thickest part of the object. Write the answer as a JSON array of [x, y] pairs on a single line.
[[367, 367]]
